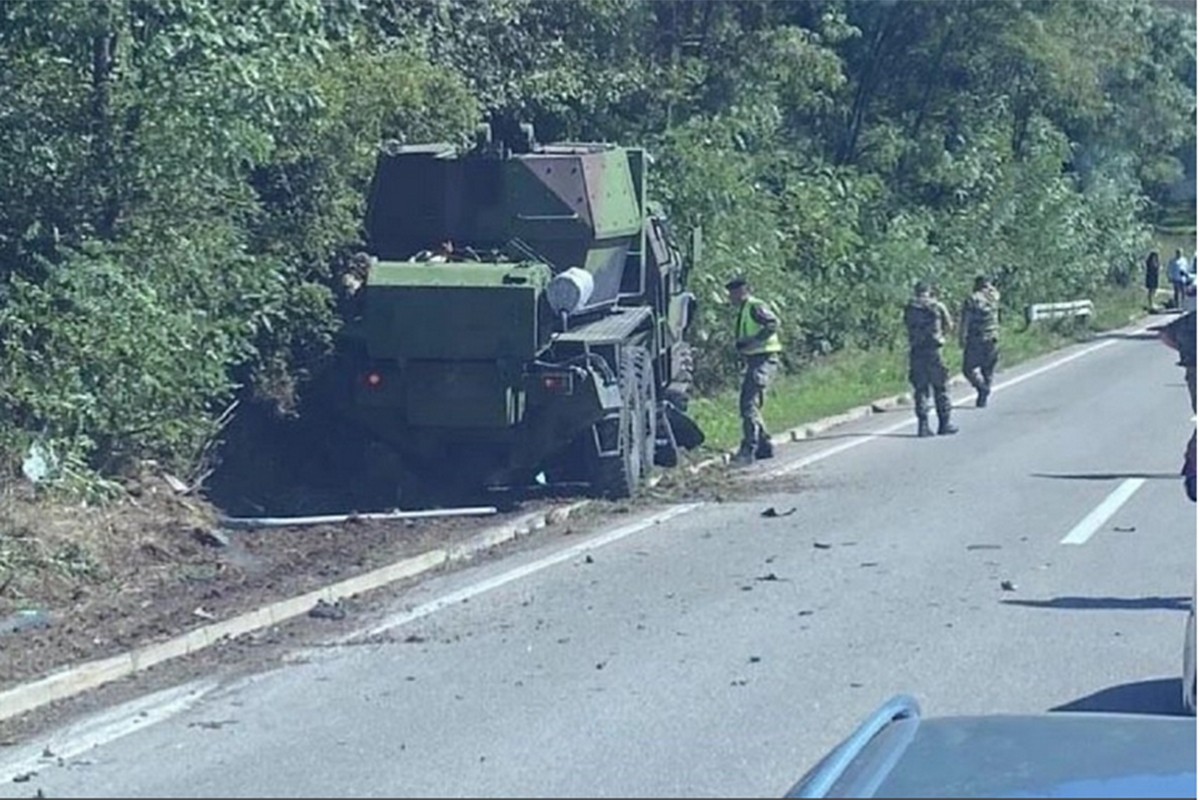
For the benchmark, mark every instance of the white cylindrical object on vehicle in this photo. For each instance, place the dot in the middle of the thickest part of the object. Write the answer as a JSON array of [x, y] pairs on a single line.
[[570, 290]]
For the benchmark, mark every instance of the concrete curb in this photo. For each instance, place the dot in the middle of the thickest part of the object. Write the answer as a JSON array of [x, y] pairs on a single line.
[[73, 680]]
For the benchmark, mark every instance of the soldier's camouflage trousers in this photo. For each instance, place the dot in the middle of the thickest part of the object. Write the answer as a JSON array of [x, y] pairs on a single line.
[[979, 362], [760, 371], [928, 376]]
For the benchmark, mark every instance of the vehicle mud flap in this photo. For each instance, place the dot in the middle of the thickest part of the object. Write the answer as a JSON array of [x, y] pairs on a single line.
[[666, 449], [685, 430]]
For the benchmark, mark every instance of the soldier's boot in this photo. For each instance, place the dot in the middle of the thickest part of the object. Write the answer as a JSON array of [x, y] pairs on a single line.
[[982, 398], [744, 457], [923, 429], [945, 426], [765, 448]]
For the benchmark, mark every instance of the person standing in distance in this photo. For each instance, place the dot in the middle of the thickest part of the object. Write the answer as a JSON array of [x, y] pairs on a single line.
[[756, 336], [979, 334], [1177, 274], [1152, 270], [927, 322]]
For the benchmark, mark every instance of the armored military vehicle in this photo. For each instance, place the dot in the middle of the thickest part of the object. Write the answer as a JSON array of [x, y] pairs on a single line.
[[520, 315]]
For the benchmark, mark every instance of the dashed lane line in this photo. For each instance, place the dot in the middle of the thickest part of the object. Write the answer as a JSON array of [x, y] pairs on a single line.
[[1101, 513]]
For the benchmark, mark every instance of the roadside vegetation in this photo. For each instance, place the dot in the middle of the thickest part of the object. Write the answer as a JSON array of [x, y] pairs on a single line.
[[181, 180]]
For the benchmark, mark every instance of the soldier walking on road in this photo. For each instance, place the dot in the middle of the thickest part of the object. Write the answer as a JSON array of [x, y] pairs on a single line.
[[978, 335], [756, 335], [927, 322]]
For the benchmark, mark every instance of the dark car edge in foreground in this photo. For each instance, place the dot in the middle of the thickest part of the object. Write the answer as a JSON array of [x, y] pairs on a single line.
[[897, 752]]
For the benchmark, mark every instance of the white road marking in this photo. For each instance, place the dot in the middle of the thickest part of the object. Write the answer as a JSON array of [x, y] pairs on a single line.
[[801, 463], [475, 589], [1100, 514], [64, 746]]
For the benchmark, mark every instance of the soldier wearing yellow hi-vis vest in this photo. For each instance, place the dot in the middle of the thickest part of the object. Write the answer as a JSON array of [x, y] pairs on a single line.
[[757, 339]]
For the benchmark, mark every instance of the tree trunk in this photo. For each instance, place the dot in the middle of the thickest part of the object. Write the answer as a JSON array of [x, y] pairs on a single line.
[[104, 174]]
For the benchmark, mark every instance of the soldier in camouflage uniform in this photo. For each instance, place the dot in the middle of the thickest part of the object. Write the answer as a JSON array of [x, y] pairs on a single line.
[[978, 336], [756, 336], [927, 322]]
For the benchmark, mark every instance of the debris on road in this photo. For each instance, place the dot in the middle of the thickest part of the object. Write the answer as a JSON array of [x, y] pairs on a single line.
[[324, 610], [210, 537], [213, 725], [176, 485], [984, 547], [771, 513], [25, 620], [1008, 586], [822, 545], [1122, 529]]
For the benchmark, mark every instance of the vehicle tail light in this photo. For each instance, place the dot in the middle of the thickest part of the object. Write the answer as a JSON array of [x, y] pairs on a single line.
[[373, 380], [557, 383]]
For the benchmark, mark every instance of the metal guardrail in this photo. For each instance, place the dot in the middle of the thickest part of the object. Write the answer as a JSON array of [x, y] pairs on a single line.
[[1070, 308]]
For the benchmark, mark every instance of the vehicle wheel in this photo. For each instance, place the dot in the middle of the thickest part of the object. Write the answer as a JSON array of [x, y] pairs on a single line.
[[621, 475]]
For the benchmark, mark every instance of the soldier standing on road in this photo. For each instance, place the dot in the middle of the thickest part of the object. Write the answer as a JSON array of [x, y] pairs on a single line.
[[756, 334], [927, 322], [978, 335]]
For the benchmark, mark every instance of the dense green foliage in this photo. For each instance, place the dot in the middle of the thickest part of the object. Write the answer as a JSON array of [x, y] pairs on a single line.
[[179, 178]]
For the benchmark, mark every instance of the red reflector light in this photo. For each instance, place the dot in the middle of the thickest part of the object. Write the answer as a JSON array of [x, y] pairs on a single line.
[[556, 383], [373, 380]]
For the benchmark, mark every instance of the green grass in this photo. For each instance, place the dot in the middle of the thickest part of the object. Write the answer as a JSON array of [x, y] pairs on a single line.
[[850, 379]]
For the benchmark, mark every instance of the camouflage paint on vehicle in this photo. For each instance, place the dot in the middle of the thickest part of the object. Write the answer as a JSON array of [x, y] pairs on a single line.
[[502, 291]]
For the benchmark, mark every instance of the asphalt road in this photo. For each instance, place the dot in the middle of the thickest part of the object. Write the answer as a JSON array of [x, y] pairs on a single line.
[[711, 651]]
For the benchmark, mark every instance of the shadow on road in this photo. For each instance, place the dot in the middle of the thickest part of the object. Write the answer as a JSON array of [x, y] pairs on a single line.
[[1181, 603], [1106, 476], [1159, 696]]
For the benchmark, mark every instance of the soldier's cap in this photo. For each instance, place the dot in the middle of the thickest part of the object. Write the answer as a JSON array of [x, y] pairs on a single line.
[[736, 282], [921, 287]]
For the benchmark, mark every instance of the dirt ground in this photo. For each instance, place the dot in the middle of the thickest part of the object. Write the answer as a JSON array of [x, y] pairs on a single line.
[[81, 583], [78, 584]]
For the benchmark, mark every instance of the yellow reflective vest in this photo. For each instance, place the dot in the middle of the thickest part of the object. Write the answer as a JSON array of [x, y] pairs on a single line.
[[749, 327]]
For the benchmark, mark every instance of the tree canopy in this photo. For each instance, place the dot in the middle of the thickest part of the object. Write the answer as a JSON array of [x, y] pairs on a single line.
[[179, 178]]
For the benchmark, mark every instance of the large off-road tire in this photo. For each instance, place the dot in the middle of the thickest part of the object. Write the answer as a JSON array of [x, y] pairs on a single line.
[[621, 476]]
